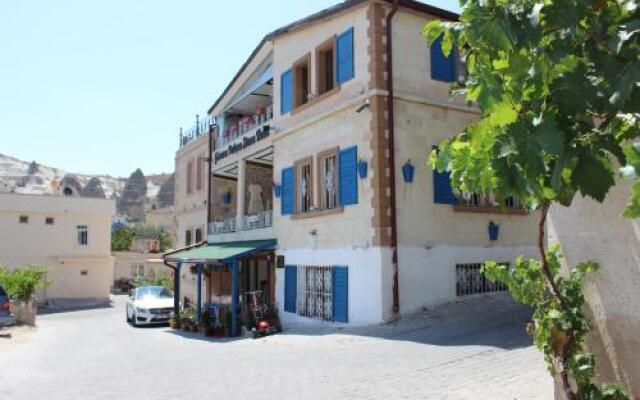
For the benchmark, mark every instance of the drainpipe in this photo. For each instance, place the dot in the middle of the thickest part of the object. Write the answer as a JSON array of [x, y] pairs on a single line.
[[392, 160], [209, 160]]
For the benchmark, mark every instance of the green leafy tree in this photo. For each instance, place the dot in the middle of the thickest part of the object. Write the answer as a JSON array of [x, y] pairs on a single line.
[[165, 280], [557, 84], [21, 283], [165, 240], [122, 238]]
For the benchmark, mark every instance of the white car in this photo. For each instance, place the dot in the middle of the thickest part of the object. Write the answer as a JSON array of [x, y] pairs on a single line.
[[149, 305]]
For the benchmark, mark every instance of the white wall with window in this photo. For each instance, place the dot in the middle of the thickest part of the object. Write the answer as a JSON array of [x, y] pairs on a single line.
[[69, 236], [82, 235]]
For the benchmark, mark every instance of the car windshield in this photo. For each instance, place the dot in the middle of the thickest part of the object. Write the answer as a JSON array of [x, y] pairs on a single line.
[[154, 292], [2, 292]]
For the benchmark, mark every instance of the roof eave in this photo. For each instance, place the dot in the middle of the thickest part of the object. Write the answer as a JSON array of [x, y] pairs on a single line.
[[411, 4]]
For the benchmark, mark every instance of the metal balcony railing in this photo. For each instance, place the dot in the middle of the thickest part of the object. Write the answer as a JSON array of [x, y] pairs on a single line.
[[244, 127], [258, 221], [225, 226], [200, 128]]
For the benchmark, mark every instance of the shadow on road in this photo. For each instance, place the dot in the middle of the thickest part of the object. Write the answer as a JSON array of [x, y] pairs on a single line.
[[492, 320], [55, 309]]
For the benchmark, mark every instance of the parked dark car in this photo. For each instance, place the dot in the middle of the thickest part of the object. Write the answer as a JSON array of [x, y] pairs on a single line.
[[6, 309]]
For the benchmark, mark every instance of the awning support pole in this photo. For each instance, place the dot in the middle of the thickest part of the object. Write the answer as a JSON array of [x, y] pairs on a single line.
[[176, 291], [199, 293], [234, 297]]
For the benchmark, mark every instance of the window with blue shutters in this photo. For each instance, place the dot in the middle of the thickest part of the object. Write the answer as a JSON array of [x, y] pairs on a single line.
[[347, 176], [290, 287], [340, 288], [442, 191], [286, 91], [287, 195], [344, 57], [442, 68]]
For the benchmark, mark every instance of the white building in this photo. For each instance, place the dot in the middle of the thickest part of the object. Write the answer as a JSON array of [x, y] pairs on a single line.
[[319, 165], [69, 236]]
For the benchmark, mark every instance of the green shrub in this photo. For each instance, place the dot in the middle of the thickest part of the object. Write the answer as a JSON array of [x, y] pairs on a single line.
[[162, 280], [21, 283]]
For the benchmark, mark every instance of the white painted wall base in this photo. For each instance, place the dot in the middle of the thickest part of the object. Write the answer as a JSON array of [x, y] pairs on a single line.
[[366, 283], [427, 276]]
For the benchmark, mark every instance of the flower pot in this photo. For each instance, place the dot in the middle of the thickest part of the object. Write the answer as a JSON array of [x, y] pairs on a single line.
[[277, 189], [493, 231], [25, 312], [173, 324], [407, 171], [362, 169]]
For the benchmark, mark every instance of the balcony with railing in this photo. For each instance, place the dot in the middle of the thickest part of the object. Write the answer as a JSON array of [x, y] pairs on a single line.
[[200, 128], [257, 221], [242, 199], [245, 118], [227, 225], [244, 126]]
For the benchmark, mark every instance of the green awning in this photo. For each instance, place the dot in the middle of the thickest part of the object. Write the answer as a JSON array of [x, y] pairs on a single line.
[[219, 252]]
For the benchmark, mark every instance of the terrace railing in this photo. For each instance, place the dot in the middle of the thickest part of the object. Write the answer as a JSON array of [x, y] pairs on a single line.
[[225, 226], [245, 127], [258, 221], [200, 128]]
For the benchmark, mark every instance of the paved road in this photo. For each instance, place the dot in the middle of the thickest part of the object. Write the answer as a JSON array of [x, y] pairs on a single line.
[[473, 350]]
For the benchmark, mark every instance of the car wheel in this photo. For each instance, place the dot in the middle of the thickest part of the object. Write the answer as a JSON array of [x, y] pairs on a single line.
[[128, 317], [134, 321]]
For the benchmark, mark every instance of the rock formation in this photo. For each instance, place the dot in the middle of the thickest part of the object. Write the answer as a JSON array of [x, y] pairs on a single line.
[[132, 200], [165, 194], [70, 185], [93, 189]]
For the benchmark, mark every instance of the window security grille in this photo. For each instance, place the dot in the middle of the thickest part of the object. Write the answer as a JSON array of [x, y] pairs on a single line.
[[471, 280], [314, 295]]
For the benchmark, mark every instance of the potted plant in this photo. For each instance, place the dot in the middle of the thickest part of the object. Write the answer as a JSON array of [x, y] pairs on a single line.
[[21, 285], [173, 322], [227, 321], [187, 319], [205, 323]]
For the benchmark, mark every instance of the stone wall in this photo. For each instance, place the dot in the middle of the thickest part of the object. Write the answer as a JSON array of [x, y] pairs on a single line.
[[592, 231]]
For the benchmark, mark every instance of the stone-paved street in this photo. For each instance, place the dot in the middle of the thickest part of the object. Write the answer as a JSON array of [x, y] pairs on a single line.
[[471, 350]]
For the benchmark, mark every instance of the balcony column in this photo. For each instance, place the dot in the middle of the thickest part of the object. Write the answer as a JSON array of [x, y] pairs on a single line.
[[240, 196]]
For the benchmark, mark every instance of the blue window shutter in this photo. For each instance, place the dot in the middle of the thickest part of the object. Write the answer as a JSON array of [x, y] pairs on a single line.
[[344, 57], [290, 287], [286, 194], [442, 68], [340, 288], [442, 191], [286, 91], [347, 176]]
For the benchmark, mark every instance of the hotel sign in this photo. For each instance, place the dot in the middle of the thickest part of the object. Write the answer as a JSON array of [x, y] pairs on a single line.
[[234, 147]]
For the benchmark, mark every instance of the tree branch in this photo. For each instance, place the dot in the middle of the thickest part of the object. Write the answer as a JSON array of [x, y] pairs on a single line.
[[551, 283]]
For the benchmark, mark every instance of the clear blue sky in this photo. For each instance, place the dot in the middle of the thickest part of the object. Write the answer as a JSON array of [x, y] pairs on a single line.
[[103, 86]]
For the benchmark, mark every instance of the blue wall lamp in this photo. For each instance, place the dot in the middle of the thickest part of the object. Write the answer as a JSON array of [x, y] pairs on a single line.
[[408, 169], [494, 229], [362, 168]]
